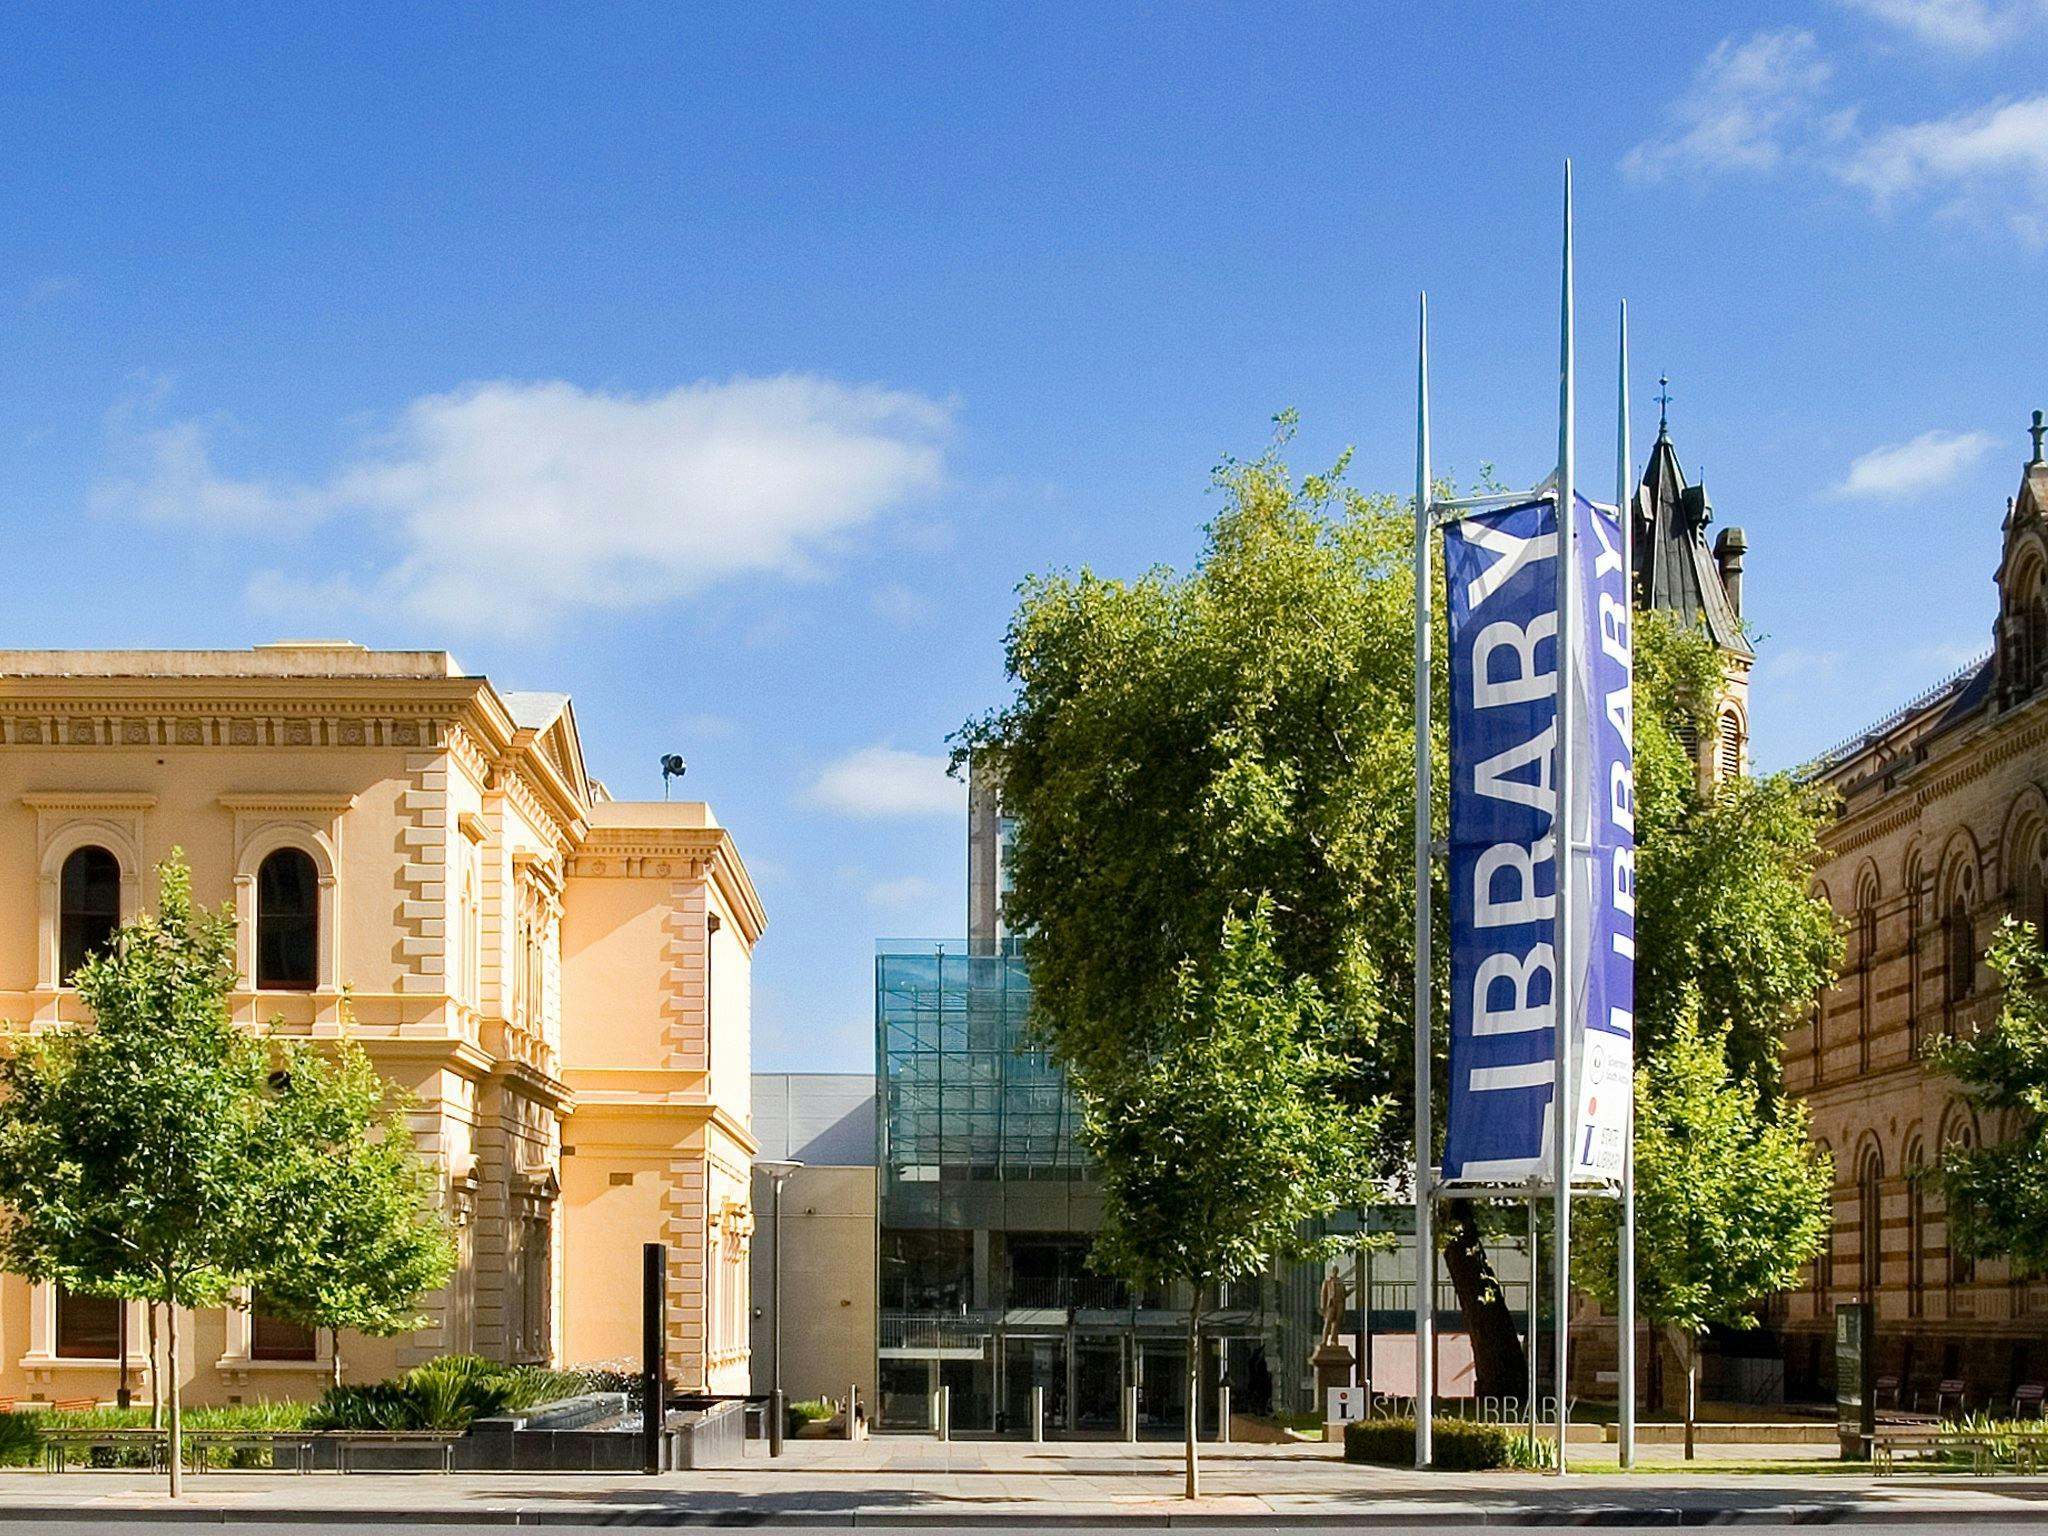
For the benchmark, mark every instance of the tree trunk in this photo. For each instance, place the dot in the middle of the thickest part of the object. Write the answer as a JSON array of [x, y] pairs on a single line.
[[1692, 1389], [1194, 1413], [156, 1378], [177, 1426], [334, 1363], [1500, 1367]]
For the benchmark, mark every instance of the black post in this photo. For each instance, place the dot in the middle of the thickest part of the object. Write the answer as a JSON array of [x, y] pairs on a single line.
[[122, 1397], [778, 1410], [653, 1351]]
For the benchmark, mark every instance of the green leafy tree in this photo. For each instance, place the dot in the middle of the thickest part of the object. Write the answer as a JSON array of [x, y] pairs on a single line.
[[359, 1237], [1227, 1138], [134, 1155], [1727, 925], [1997, 1196], [1730, 1200], [1182, 746]]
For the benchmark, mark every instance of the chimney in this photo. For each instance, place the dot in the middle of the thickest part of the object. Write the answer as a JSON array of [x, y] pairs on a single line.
[[1729, 549]]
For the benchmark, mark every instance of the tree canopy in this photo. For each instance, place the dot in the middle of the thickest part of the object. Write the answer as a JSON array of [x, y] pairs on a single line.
[[1997, 1196], [167, 1154], [1731, 1201], [359, 1238], [1183, 747]]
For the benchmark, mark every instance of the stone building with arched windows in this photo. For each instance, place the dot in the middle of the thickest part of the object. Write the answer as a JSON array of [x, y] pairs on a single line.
[[558, 979], [1943, 831]]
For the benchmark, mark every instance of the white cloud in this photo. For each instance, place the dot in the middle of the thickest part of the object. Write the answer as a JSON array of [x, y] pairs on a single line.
[[1929, 461], [877, 783], [1990, 162], [1761, 104], [1954, 26], [508, 504], [1749, 103]]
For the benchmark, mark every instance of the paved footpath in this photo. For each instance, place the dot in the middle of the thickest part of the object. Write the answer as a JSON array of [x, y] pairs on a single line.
[[900, 1482]]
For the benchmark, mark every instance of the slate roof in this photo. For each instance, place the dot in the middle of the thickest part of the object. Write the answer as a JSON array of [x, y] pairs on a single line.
[[1675, 571]]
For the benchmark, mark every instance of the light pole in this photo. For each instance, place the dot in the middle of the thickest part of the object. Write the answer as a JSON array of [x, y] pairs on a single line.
[[778, 1170]]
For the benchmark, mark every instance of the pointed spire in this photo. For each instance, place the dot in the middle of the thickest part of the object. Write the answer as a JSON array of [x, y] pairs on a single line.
[[1663, 405]]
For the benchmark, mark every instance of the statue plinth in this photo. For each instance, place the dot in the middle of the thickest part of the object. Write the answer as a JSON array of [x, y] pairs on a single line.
[[1332, 1365]]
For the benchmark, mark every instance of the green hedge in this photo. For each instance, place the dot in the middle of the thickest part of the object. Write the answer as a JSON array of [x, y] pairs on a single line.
[[1461, 1445], [21, 1439]]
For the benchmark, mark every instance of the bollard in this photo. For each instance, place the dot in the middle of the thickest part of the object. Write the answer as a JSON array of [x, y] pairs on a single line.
[[778, 1421], [945, 1413], [1130, 1414], [853, 1412], [1223, 1415], [1037, 1414]]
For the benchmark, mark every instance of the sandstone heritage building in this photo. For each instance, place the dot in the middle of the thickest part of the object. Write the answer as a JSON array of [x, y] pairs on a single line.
[[1943, 832], [558, 978]]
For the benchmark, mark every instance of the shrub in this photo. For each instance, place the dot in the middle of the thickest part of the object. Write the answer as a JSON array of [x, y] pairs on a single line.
[[809, 1411], [20, 1432], [1461, 1445], [446, 1394], [19, 1441]]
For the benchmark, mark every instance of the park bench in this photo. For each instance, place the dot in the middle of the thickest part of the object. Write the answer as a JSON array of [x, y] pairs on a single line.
[[1939, 1445], [347, 1442], [2026, 1399], [58, 1445], [1952, 1392], [203, 1446], [75, 1404]]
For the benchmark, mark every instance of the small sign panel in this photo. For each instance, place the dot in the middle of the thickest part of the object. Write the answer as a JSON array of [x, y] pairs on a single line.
[[1346, 1405]]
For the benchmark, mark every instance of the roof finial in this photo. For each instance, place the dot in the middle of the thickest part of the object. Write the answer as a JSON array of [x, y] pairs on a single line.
[[1664, 406], [2037, 429]]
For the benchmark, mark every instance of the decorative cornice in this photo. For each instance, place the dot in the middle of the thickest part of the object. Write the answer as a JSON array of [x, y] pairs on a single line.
[[628, 852], [289, 803], [89, 800]]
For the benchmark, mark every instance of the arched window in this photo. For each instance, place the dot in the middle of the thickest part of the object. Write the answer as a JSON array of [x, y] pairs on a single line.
[[2037, 636], [1823, 1272], [1870, 1219], [1916, 1232], [1729, 746], [1962, 950], [88, 907], [1962, 1268], [1866, 966], [288, 921]]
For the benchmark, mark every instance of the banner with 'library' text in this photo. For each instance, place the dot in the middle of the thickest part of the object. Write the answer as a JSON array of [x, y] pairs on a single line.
[[1505, 856]]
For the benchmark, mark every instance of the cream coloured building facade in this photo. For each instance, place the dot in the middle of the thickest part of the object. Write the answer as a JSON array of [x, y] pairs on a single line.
[[559, 980], [1943, 833]]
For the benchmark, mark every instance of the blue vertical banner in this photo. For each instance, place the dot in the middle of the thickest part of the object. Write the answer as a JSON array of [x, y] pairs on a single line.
[[1505, 854], [1605, 669]]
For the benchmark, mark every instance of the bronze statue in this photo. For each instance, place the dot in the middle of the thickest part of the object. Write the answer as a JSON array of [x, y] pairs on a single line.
[[1335, 1294]]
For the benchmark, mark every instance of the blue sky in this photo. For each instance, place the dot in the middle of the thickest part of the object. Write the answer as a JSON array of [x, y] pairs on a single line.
[[727, 366]]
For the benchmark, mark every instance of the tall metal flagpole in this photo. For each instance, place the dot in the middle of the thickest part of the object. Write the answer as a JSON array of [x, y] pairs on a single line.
[[1564, 1103], [1625, 1354], [1425, 1236]]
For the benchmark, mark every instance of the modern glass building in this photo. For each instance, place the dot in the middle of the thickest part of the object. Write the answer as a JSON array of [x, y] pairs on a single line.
[[987, 1212]]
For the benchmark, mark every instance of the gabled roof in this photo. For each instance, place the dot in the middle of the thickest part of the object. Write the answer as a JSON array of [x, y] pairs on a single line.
[[1675, 571], [551, 721]]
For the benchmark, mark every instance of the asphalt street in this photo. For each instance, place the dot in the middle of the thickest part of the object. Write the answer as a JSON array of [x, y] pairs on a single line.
[[650, 1519]]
